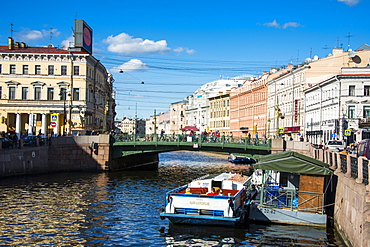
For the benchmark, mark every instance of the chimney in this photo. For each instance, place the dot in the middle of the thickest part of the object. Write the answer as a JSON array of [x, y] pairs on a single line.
[[23, 45], [10, 43], [17, 45]]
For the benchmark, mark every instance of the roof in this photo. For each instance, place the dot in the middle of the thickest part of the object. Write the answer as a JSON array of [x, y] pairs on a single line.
[[48, 49], [293, 162], [363, 47]]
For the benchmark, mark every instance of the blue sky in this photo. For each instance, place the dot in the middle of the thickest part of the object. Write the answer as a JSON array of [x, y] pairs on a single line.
[[176, 46]]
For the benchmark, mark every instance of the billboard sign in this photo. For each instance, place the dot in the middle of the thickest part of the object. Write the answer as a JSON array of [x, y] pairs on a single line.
[[83, 36]]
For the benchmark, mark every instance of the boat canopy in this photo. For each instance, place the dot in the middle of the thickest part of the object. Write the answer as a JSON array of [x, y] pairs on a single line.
[[293, 162]]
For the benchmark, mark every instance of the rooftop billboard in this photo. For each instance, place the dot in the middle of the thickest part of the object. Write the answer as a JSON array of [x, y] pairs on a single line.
[[83, 36]]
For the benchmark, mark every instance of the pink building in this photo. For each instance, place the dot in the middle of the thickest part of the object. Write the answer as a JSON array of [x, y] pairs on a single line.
[[248, 106]]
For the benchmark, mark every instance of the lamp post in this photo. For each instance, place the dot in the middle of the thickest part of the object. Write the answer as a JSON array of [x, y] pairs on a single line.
[[62, 95], [71, 97]]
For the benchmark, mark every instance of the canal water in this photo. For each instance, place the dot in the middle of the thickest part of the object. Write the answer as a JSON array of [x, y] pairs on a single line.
[[122, 209]]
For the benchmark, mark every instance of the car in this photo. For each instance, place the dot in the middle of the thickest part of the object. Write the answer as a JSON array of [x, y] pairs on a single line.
[[30, 141], [6, 142], [363, 148], [335, 145]]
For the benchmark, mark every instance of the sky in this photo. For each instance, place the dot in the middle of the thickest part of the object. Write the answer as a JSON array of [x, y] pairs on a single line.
[[167, 49]]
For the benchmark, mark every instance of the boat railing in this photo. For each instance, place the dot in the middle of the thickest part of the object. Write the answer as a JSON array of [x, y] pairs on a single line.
[[289, 198]]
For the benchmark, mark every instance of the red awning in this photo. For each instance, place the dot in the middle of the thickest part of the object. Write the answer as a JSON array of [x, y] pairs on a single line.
[[191, 128]]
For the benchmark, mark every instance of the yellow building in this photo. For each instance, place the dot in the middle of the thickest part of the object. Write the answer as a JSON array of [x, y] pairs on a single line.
[[46, 90], [220, 113]]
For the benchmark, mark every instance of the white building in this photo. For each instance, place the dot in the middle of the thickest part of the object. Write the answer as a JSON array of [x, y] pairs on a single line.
[[286, 109], [197, 109], [132, 126], [339, 107], [177, 116]]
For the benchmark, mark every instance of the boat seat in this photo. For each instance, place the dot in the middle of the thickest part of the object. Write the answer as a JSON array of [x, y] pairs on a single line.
[[199, 191]]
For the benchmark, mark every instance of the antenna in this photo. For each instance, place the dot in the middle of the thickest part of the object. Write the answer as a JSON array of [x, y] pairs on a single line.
[[11, 30], [349, 39], [338, 42], [51, 34], [297, 56]]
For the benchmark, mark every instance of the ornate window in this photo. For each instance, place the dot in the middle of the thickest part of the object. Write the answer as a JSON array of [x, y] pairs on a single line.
[[50, 69]]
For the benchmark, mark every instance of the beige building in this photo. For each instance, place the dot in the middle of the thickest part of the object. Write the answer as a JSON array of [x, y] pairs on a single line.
[[132, 126], [177, 116], [220, 113], [286, 103], [46, 90]]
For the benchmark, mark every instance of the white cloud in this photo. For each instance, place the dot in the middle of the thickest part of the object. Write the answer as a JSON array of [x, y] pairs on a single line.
[[275, 24], [126, 44], [272, 24], [184, 49], [132, 65], [190, 51], [350, 2], [291, 24], [69, 42], [30, 35]]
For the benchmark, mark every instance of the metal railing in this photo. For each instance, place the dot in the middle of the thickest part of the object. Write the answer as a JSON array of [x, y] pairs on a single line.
[[172, 138], [281, 197], [16, 144]]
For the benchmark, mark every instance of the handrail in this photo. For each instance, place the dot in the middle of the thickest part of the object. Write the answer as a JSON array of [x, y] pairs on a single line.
[[185, 138], [295, 200]]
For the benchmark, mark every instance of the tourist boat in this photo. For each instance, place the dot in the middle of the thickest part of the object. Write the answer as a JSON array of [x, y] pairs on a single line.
[[241, 160], [291, 188], [194, 204]]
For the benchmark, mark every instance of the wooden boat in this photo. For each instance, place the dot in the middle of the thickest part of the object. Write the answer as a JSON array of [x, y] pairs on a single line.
[[241, 160], [291, 188], [194, 203]]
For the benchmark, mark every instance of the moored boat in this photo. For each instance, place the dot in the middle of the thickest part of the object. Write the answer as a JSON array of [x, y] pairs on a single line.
[[291, 188], [241, 160], [209, 200]]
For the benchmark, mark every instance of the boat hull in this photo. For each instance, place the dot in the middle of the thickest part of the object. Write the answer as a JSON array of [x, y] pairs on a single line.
[[201, 220], [285, 216]]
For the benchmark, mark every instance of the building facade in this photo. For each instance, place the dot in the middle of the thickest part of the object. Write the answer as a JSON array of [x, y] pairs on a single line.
[[197, 109], [220, 114], [177, 116], [133, 126], [339, 107], [51, 91], [286, 109]]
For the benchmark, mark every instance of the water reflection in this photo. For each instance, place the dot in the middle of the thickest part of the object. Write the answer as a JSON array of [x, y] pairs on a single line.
[[122, 209]]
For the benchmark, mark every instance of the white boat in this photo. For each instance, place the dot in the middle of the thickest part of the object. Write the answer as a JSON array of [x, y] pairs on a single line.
[[291, 188], [194, 203]]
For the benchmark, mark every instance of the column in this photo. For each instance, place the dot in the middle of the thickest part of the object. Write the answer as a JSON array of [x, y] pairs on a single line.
[[43, 124], [30, 123], [18, 124]]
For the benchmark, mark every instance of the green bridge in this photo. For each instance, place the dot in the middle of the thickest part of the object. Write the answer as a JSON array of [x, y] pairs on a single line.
[[125, 145]]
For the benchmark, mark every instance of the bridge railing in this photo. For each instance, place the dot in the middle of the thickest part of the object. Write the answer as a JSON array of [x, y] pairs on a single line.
[[192, 139]]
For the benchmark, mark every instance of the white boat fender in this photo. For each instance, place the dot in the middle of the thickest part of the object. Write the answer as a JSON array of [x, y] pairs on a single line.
[[229, 211], [169, 207]]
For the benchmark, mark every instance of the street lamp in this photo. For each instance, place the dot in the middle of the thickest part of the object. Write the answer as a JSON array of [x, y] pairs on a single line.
[[62, 95]]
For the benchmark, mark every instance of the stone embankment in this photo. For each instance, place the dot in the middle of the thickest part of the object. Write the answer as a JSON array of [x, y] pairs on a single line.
[[352, 203]]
